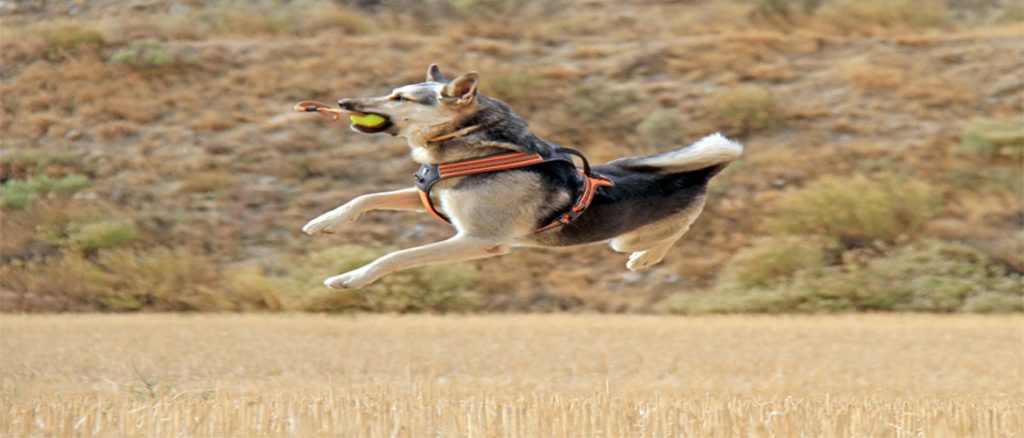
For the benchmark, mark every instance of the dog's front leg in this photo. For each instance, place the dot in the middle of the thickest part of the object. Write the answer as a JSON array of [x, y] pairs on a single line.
[[404, 199], [457, 248]]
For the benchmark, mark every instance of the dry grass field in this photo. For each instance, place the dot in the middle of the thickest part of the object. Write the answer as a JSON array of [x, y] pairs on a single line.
[[523, 376]]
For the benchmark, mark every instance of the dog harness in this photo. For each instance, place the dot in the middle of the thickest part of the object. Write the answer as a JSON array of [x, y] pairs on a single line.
[[431, 174]]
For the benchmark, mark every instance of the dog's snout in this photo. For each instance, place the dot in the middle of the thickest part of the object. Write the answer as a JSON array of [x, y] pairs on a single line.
[[348, 104]]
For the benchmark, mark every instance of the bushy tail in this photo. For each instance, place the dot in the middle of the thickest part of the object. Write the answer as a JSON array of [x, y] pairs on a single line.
[[709, 151]]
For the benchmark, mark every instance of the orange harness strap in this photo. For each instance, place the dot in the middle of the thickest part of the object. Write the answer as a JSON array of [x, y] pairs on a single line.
[[430, 174]]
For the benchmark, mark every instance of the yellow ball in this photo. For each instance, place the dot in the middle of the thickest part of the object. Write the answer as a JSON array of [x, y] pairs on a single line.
[[369, 120]]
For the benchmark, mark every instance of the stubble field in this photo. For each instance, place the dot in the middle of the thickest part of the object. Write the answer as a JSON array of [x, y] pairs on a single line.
[[564, 375]]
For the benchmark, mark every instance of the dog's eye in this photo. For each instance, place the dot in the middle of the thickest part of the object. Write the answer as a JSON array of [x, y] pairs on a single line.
[[399, 99]]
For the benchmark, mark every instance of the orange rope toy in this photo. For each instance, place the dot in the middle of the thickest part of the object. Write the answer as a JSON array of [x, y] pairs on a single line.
[[332, 114]]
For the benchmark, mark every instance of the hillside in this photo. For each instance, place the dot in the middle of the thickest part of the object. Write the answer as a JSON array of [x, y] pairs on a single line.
[[151, 159]]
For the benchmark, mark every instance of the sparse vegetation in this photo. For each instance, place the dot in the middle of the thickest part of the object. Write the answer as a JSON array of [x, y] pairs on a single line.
[[871, 77], [126, 279], [990, 139], [523, 92], [208, 182], [856, 211], [119, 280], [433, 288], [872, 16], [69, 36], [660, 130], [785, 8], [929, 276], [102, 234], [144, 53], [204, 160], [745, 108], [18, 194], [304, 18], [771, 261], [600, 105]]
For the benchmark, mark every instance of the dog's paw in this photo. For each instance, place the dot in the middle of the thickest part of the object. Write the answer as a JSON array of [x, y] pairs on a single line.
[[331, 221], [643, 260], [350, 280]]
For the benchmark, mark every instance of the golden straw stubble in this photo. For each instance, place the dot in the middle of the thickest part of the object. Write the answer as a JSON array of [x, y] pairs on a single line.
[[524, 376]]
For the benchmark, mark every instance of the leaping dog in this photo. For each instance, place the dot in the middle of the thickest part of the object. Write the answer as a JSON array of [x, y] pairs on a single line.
[[501, 186]]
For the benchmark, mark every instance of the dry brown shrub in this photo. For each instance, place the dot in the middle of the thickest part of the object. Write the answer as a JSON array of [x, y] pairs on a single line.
[[941, 92], [115, 130], [37, 124], [208, 182], [135, 109], [213, 121], [64, 37], [871, 77], [775, 72]]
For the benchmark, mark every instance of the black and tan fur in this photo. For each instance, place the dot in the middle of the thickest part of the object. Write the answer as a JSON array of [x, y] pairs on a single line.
[[654, 201]]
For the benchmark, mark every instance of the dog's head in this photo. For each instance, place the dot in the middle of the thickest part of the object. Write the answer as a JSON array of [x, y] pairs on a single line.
[[418, 107]]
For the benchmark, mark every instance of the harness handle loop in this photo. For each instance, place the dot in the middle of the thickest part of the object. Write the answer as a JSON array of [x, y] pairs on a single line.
[[578, 154]]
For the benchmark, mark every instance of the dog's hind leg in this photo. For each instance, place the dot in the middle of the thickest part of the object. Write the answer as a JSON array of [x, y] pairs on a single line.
[[649, 243], [402, 200], [649, 257], [458, 248]]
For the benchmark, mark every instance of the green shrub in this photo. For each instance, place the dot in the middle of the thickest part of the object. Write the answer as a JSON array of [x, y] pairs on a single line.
[[15, 196], [63, 37], [102, 234], [856, 211], [18, 194], [984, 178], [122, 280], [660, 130], [144, 53], [771, 261], [747, 108], [866, 16], [931, 276], [783, 9], [1010, 13], [994, 302], [488, 8], [429, 288], [989, 139]]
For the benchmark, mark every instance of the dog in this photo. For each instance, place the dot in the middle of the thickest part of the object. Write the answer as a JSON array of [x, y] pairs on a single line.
[[647, 204]]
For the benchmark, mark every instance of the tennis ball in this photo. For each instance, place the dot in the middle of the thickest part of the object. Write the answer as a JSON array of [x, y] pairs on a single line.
[[369, 120]]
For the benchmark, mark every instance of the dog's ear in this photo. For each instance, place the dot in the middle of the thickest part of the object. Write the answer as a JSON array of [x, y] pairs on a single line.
[[434, 74], [461, 90]]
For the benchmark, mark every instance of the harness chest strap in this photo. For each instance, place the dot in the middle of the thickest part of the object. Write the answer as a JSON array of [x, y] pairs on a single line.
[[430, 174]]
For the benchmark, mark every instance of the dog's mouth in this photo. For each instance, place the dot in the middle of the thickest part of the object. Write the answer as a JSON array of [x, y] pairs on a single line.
[[370, 123]]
